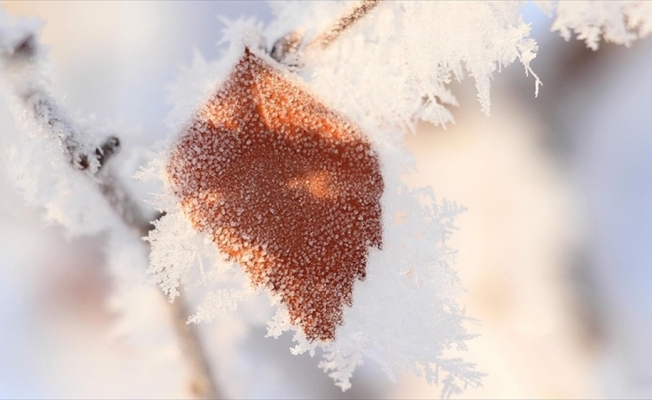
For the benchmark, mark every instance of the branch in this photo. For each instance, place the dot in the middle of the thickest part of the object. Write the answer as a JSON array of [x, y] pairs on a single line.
[[20, 59]]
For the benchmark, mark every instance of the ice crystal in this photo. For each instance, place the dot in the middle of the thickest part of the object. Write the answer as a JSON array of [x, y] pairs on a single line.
[[619, 22]]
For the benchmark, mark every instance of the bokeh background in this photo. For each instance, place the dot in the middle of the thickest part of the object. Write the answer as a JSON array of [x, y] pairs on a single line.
[[555, 248]]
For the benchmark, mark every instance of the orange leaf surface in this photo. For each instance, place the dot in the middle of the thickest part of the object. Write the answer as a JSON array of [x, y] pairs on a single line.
[[286, 187]]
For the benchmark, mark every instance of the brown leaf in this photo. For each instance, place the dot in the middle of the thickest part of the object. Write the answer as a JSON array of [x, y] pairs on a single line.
[[286, 187]]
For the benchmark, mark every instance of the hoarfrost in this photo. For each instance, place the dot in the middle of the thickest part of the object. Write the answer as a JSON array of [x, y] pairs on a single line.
[[393, 68], [38, 166], [619, 22], [51, 156]]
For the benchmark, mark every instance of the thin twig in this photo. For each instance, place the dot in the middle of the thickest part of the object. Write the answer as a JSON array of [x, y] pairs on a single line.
[[93, 160], [287, 47], [324, 39]]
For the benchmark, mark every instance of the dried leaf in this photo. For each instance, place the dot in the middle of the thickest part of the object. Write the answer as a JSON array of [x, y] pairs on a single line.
[[286, 187]]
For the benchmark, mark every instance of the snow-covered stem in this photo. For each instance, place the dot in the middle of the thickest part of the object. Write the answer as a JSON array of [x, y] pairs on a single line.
[[20, 60]]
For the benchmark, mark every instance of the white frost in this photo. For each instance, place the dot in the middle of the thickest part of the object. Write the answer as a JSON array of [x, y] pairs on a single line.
[[619, 22]]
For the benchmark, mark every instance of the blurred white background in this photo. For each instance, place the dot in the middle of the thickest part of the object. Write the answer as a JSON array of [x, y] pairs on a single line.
[[555, 248]]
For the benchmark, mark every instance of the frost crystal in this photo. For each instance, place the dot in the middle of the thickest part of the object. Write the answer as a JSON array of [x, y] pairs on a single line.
[[392, 69], [619, 22]]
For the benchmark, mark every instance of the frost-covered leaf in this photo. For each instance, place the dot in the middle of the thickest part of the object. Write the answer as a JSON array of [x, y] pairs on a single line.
[[286, 187], [302, 200]]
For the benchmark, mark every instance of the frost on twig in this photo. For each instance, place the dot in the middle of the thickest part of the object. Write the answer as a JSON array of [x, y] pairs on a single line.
[[20, 57], [393, 67], [57, 164], [44, 149], [41, 108]]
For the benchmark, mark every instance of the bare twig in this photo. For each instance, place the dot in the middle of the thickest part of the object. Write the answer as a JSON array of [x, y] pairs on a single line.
[[286, 48], [324, 39], [93, 160]]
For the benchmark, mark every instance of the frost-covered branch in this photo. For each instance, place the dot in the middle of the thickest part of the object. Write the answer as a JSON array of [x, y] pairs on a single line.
[[29, 87], [19, 54], [46, 111]]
